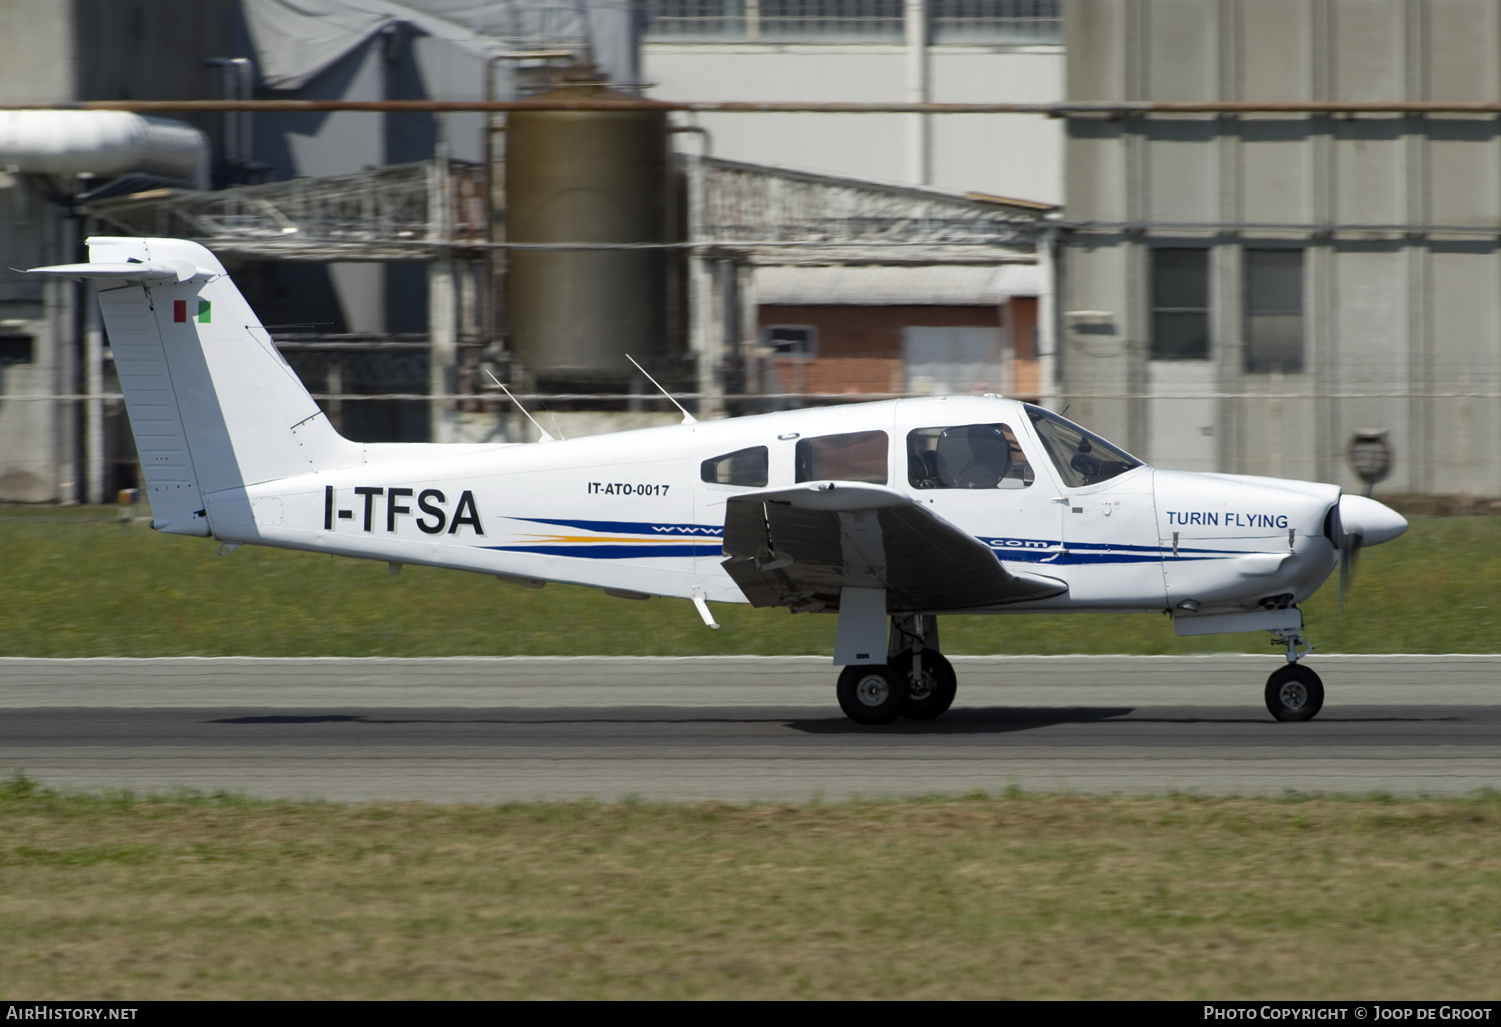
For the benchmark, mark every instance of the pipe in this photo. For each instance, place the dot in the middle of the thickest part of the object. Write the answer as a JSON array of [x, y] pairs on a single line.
[[73, 142], [915, 17], [1077, 108]]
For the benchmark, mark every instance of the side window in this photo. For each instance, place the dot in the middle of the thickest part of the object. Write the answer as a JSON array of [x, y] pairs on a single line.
[[742, 467], [857, 456], [970, 456]]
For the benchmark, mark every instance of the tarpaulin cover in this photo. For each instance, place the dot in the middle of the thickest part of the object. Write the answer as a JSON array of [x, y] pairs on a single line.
[[295, 40]]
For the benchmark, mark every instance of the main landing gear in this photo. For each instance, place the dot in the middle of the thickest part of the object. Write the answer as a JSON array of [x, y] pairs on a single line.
[[1294, 692], [915, 682]]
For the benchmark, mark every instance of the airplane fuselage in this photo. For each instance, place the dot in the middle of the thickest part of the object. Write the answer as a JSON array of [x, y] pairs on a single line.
[[644, 511]]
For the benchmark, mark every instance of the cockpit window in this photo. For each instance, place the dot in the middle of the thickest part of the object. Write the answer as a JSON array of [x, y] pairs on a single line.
[[856, 456], [969, 456], [1081, 456]]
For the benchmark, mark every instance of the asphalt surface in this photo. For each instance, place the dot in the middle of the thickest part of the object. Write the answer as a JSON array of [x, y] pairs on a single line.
[[740, 728]]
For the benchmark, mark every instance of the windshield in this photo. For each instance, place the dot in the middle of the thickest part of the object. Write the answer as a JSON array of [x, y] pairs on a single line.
[[1081, 456]]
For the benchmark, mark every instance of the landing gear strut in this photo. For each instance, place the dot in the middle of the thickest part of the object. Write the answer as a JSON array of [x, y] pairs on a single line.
[[1294, 692], [915, 682]]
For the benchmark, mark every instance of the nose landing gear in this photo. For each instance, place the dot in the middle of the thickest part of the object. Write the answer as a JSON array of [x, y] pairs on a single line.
[[1294, 692]]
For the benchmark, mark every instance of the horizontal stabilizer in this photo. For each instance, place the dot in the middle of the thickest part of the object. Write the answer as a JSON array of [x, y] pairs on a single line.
[[155, 271]]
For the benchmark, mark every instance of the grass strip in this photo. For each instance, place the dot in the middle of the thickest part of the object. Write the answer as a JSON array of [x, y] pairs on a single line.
[[79, 584], [1017, 896]]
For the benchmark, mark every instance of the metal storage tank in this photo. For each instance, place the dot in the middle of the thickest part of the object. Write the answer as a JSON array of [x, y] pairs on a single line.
[[587, 176]]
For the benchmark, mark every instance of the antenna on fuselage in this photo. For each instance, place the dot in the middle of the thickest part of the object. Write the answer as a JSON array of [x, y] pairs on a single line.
[[687, 417], [545, 436]]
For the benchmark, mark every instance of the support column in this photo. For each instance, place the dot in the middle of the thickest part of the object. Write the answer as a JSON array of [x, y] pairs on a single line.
[[61, 300], [706, 328], [69, 486], [1047, 318], [93, 356], [442, 330], [708, 338], [750, 331], [915, 18], [443, 354]]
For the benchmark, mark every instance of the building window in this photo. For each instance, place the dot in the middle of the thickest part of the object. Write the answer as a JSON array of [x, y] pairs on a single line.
[[994, 21], [790, 340], [695, 20], [1274, 311], [15, 349], [851, 21], [1180, 304]]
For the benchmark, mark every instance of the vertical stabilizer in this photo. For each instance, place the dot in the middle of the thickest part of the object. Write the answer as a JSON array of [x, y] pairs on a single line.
[[213, 406]]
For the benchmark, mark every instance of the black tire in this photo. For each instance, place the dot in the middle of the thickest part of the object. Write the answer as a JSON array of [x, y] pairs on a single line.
[[1294, 693], [931, 697], [872, 694]]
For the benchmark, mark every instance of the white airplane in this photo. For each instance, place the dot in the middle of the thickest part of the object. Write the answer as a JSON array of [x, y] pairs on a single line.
[[890, 514]]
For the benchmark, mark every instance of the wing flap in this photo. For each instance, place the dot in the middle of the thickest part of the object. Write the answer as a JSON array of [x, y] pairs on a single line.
[[798, 547]]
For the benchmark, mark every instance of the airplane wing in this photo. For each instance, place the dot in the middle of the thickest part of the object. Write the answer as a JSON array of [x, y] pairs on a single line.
[[799, 546]]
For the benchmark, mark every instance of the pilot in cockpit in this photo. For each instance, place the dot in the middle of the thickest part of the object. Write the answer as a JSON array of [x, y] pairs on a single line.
[[972, 456]]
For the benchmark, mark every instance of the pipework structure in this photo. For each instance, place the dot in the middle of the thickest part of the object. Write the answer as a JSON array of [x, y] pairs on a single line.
[[740, 217]]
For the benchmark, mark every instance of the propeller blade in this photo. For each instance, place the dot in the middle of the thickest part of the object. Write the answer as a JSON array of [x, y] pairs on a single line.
[[1349, 553]]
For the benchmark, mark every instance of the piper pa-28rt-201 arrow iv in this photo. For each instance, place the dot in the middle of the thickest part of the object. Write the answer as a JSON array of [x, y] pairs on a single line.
[[889, 514]]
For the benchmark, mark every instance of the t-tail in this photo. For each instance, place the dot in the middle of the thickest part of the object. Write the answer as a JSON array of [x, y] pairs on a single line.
[[213, 405]]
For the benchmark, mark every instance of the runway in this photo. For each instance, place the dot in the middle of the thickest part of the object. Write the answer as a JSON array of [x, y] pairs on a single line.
[[740, 728]]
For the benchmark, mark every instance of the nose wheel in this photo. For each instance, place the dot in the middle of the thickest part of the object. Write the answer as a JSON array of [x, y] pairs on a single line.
[[1294, 692]]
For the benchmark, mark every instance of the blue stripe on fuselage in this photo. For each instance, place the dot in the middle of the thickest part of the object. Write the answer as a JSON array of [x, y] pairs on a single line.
[[635, 527], [1036, 550]]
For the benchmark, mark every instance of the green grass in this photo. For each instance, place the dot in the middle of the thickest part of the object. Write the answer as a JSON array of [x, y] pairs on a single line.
[[1010, 897], [79, 584]]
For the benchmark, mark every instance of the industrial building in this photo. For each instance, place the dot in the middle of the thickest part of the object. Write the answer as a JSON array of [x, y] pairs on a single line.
[[1246, 292], [941, 51], [399, 261], [1237, 291]]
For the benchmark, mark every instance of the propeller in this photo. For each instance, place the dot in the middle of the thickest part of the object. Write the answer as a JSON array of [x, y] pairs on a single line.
[[1357, 521]]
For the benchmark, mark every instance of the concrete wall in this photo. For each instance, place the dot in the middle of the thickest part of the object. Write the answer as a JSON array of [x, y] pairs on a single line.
[[1007, 155], [39, 312], [1397, 218], [37, 56]]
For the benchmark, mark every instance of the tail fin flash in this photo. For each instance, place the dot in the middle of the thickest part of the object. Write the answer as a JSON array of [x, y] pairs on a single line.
[[213, 405]]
